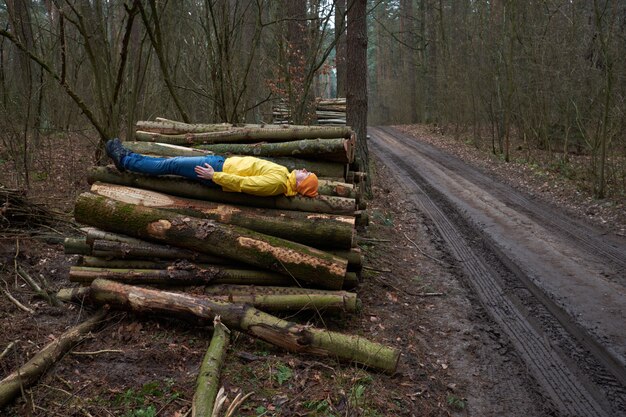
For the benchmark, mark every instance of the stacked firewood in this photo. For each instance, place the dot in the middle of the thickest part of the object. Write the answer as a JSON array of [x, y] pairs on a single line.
[[230, 253], [331, 111], [328, 111]]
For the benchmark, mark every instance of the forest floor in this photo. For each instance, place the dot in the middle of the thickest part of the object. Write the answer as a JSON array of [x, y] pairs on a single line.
[[454, 361]]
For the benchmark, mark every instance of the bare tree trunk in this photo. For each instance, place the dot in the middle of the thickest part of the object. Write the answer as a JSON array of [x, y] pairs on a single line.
[[340, 47], [19, 17], [357, 82], [297, 38], [153, 26]]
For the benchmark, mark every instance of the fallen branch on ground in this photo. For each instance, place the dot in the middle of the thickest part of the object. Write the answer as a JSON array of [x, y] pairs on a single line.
[[16, 302], [234, 406], [204, 399], [7, 349], [424, 253], [97, 352], [44, 359], [288, 335], [41, 292]]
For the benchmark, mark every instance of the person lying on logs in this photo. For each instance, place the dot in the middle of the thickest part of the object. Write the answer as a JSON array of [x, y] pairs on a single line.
[[244, 174]]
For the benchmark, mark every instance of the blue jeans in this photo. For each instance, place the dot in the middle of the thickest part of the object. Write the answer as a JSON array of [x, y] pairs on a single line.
[[179, 165]]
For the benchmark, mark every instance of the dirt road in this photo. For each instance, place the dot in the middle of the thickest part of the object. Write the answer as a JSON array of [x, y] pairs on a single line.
[[554, 285]]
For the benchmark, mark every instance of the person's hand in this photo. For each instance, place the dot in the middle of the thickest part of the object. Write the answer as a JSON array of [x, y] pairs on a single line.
[[206, 172]]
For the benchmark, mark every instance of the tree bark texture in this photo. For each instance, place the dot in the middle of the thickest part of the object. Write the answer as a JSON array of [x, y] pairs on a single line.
[[170, 127], [208, 381], [29, 373], [340, 47], [111, 260], [353, 256], [196, 275], [97, 242], [264, 290], [288, 335], [338, 189], [313, 229], [206, 236], [76, 245], [148, 250], [357, 80], [93, 234], [335, 150], [187, 188], [248, 135], [180, 273], [117, 263], [79, 294], [273, 298]]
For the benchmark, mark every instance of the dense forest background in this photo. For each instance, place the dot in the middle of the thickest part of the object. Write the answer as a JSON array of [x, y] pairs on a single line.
[[539, 76]]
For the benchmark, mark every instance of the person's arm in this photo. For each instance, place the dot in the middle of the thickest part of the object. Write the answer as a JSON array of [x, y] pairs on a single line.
[[263, 185]]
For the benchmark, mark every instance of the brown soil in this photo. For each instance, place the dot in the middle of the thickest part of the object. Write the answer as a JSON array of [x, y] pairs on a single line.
[[454, 361]]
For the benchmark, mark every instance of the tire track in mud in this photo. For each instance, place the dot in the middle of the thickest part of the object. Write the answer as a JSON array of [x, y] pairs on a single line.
[[609, 247], [540, 340]]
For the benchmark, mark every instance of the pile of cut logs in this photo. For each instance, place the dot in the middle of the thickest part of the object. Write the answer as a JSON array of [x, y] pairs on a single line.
[[328, 111], [170, 246], [239, 252], [331, 111]]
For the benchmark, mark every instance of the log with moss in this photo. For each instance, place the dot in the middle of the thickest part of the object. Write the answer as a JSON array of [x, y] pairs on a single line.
[[353, 177], [140, 249], [181, 275], [30, 372], [76, 246], [354, 258], [208, 381], [249, 135], [339, 189], [148, 250], [206, 236], [261, 289], [288, 335], [336, 150], [313, 229], [278, 298], [92, 234], [114, 263], [77, 294], [192, 189], [362, 217], [121, 256], [173, 127]]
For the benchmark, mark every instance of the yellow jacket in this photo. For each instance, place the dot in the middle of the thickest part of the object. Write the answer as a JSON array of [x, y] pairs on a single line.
[[247, 174]]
